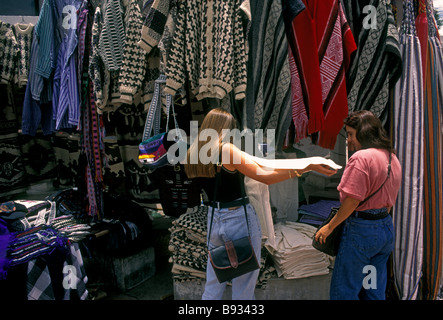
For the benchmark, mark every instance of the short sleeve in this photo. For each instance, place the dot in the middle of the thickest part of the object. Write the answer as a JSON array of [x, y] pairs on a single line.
[[355, 180]]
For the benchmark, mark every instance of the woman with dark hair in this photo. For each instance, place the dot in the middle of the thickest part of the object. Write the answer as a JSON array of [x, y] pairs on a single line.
[[229, 223], [360, 269]]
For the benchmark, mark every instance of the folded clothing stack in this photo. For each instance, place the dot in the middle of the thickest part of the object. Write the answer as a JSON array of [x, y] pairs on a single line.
[[294, 256], [314, 214], [188, 245]]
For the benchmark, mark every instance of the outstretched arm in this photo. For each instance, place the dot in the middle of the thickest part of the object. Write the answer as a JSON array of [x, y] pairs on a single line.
[[235, 159]]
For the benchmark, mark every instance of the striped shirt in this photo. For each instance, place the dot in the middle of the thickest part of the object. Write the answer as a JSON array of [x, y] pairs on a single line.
[[66, 96]]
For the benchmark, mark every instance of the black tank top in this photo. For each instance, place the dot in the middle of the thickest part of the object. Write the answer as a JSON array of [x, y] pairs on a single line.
[[229, 188]]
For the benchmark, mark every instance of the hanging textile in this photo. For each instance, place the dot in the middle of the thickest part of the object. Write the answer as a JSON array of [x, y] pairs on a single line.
[[209, 48], [421, 25], [322, 43], [408, 122], [433, 157], [376, 66], [268, 97]]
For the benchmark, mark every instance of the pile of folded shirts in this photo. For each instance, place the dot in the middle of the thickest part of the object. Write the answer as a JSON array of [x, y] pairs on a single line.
[[314, 214], [294, 256]]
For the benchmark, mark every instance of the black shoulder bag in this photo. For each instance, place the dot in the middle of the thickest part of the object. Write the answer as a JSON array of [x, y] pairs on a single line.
[[235, 257], [332, 242]]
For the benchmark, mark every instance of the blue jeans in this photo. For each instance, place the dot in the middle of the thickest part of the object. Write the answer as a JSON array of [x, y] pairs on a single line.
[[360, 269], [231, 225]]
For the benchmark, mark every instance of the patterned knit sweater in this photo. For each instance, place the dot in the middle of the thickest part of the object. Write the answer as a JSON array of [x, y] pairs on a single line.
[[134, 61], [112, 37], [209, 48], [23, 34], [8, 52]]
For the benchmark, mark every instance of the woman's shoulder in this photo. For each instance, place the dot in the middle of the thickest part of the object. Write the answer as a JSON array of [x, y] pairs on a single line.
[[368, 156]]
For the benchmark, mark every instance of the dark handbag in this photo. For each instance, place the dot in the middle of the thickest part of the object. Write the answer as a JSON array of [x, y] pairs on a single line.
[[235, 257], [332, 242], [330, 246]]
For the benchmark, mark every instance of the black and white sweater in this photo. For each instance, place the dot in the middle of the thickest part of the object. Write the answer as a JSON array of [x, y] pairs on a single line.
[[209, 48], [134, 61]]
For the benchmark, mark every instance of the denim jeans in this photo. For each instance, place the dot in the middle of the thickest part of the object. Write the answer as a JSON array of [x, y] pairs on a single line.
[[360, 269], [231, 225]]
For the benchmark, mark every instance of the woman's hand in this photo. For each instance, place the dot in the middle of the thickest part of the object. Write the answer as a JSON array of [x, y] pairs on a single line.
[[323, 233], [320, 168]]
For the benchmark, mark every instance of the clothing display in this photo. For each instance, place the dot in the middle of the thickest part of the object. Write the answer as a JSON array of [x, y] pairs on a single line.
[[294, 256], [369, 83], [268, 92], [36, 235], [321, 44], [433, 164], [211, 52], [314, 214], [410, 128], [76, 84]]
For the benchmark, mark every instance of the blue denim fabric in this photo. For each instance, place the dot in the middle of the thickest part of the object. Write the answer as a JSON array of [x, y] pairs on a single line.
[[231, 225], [363, 243]]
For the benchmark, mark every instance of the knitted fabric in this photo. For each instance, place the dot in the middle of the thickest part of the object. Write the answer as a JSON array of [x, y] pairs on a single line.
[[154, 24], [24, 39], [8, 55], [97, 71], [209, 48], [369, 83], [112, 38], [133, 67]]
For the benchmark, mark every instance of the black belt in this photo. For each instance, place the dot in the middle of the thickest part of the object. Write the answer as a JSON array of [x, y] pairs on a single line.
[[370, 216], [229, 204]]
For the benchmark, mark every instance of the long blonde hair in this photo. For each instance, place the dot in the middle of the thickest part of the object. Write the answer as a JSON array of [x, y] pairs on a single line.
[[218, 120]]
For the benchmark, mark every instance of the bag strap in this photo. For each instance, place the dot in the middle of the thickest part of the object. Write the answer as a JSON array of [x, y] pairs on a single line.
[[217, 183], [389, 174], [153, 118]]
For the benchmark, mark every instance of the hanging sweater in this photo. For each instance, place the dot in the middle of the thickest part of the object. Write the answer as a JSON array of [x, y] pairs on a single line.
[[154, 24], [24, 39], [112, 38], [133, 66], [8, 55], [209, 48]]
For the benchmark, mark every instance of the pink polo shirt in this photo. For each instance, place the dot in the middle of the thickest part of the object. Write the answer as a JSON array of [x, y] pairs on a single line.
[[365, 172]]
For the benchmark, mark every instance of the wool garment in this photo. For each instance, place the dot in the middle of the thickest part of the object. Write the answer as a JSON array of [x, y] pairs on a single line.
[[134, 61], [112, 38], [209, 48], [322, 29], [376, 66], [24, 39], [97, 72], [154, 24], [9, 51], [268, 98]]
